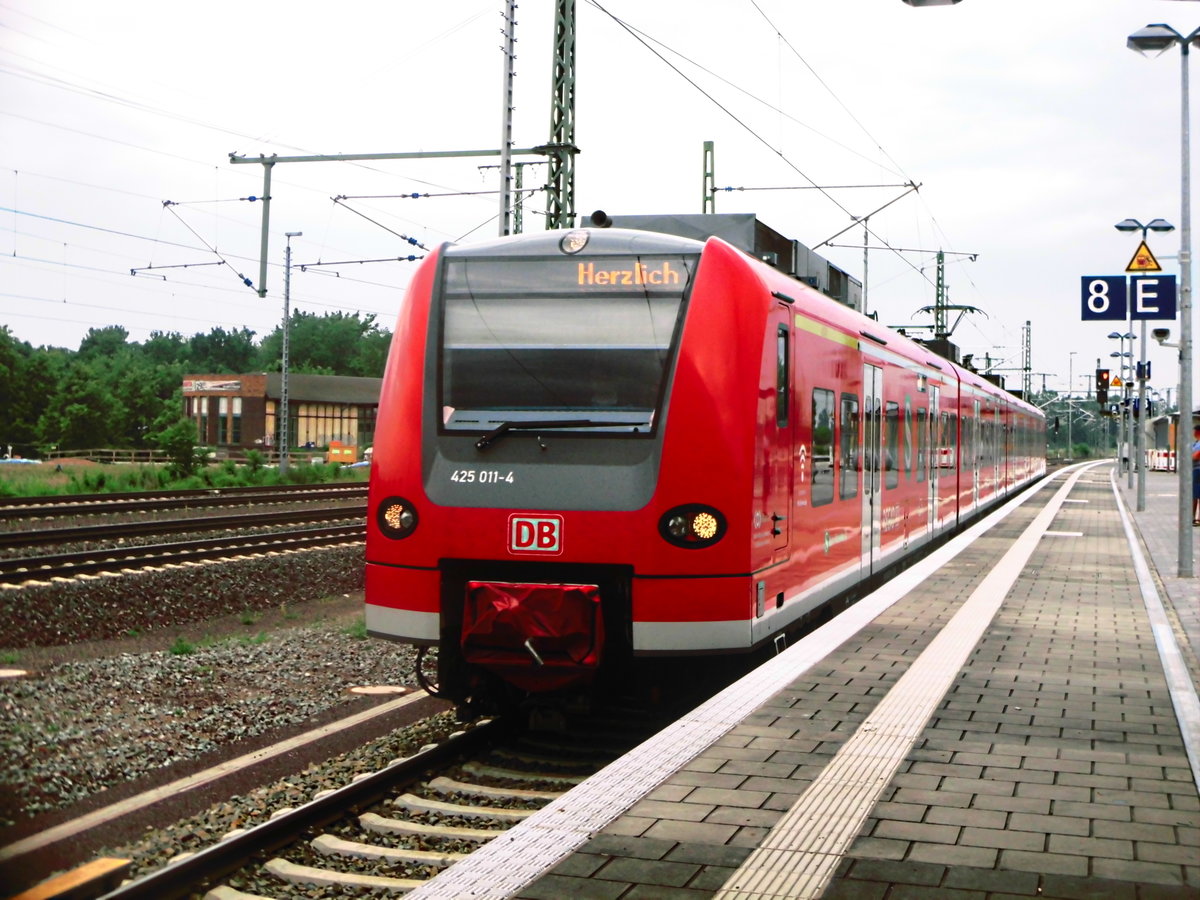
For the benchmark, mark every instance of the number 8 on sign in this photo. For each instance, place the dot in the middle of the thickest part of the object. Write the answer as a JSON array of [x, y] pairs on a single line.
[[1103, 297]]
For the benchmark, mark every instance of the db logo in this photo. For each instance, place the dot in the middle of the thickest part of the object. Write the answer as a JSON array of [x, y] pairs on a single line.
[[535, 534]]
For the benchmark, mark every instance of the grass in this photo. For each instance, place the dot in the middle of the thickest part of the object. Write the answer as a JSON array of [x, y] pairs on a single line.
[[85, 477], [182, 647], [357, 629]]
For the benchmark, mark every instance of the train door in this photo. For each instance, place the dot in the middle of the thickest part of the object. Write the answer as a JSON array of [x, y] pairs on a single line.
[[1003, 450], [872, 458], [930, 427], [780, 466]]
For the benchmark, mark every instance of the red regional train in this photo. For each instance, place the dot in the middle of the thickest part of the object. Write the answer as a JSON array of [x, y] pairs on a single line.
[[602, 444]]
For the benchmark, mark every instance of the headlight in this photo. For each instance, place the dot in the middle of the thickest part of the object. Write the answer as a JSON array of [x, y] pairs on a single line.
[[693, 526], [397, 517]]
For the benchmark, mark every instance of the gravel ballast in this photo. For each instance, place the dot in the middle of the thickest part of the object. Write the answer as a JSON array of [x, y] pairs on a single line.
[[198, 664]]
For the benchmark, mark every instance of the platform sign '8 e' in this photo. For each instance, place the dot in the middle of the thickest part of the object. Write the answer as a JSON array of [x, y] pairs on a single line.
[[1104, 297]]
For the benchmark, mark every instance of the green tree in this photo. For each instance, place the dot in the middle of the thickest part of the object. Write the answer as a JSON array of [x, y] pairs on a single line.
[[14, 406], [102, 342], [222, 351], [178, 441], [334, 344], [83, 413], [371, 358], [164, 348], [144, 390]]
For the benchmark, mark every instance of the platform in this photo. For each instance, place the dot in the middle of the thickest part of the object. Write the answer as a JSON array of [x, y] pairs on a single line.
[[1005, 719]]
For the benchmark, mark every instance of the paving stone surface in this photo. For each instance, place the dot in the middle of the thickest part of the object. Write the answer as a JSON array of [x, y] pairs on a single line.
[[1053, 767]]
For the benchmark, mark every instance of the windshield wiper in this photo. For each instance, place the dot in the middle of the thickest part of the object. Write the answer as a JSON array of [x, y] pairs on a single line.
[[504, 427]]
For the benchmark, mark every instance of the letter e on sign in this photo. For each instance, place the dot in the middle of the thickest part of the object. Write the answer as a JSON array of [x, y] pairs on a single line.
[[1152, 296], [1103, 297], [537, 535]]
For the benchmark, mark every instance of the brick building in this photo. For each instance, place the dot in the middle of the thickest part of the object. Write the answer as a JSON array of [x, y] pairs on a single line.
[[242, 411]]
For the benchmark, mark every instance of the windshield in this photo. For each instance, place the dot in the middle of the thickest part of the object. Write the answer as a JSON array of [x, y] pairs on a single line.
[[585, 340]]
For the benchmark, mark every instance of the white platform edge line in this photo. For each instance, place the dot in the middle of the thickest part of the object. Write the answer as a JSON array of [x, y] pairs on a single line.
[[505, 865], [814, 840], [1179, 681]]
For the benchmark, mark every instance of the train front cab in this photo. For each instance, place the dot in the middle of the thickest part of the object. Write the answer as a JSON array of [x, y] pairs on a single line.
[[523, 427]]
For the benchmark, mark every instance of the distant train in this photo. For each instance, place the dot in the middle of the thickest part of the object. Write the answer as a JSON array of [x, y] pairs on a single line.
[[601, 444]]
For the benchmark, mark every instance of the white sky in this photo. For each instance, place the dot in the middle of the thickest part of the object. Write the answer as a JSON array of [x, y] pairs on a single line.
[[1030, 127]]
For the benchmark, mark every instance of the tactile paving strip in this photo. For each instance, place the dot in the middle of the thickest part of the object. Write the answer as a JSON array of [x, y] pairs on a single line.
[[800, 854]]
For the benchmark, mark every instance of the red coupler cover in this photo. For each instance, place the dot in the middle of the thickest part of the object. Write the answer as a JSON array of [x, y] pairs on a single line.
[[539, 637]]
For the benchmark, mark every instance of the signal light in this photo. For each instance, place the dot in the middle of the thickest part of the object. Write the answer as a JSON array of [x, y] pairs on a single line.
[[1102, 385]]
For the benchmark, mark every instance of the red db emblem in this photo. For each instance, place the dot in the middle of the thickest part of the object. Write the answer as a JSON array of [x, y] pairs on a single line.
[[535, 534]]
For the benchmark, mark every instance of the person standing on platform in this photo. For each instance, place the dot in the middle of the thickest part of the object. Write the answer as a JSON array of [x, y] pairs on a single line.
[[1196, 475]]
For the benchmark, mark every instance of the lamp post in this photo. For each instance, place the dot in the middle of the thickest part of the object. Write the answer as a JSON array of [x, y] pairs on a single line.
[[284, 437], [1160, 225], [1070, 405], [1157, 39], [1125, 424]]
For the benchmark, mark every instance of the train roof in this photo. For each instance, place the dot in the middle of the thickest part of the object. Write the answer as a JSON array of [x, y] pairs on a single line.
[[850, 321], [600, 241]]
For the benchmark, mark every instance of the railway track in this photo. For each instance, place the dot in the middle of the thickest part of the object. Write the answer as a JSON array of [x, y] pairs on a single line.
[[87, 534], [17, 508], [396, 828], [69, 551], [88, 562]]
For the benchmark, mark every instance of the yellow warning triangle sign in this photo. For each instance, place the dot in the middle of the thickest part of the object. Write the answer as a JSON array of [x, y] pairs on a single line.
[[1116, 381], [1143, 261]]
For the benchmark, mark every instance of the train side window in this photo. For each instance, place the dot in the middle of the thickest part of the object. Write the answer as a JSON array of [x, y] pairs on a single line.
[[822, 446], [848, 453], [891, 471], [922, 437], [947, 455], [782, 375], [908, 439], [954, 448], [937, 440]]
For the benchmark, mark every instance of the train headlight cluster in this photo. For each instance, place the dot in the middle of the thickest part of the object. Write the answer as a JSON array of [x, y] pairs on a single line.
[[693, 526], [397, 517]]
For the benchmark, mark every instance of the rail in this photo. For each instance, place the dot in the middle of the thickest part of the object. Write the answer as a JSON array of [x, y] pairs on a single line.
[[180, 878], [145, 456], [103, 504]]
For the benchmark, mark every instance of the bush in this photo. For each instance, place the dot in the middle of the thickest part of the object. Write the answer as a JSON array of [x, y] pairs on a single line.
[[178, 441], [255, 460]]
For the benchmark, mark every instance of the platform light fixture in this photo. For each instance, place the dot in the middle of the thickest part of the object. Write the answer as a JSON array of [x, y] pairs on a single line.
[[1131, 225], [1125, 425], [1155, 39], [1152, 225]]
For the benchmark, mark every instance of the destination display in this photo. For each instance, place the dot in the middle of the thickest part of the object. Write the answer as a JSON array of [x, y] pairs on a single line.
[[493, 277]]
